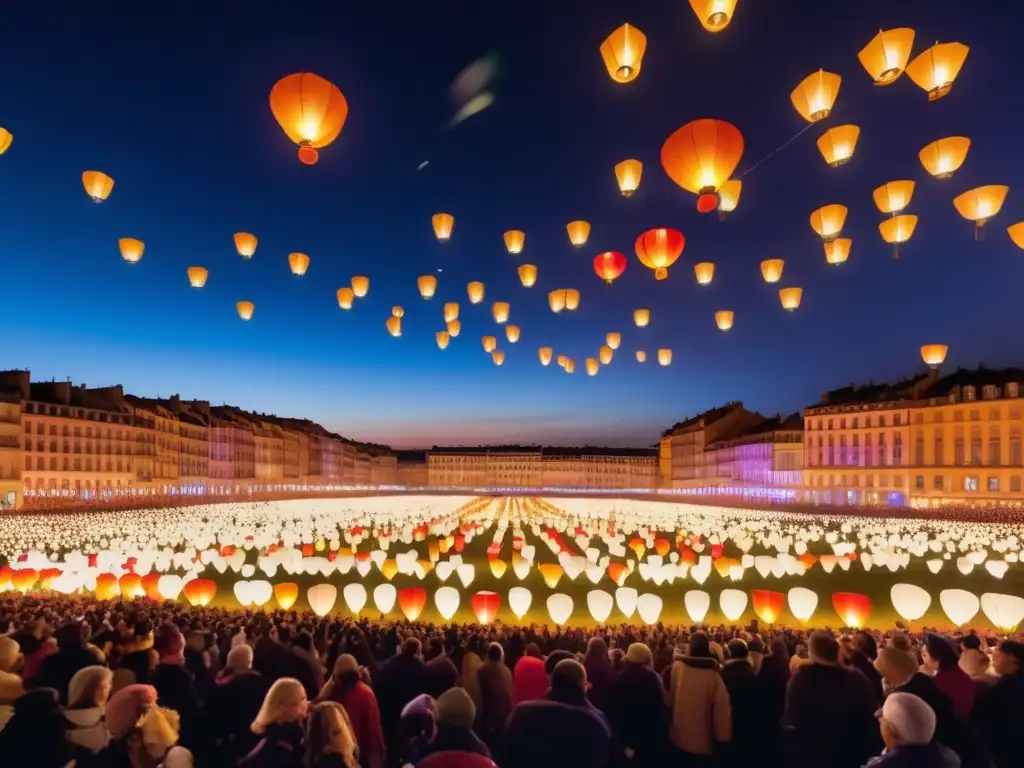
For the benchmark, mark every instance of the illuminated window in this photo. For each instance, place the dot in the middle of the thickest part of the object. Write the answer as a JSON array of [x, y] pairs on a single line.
[[993, 483], [971, 484]]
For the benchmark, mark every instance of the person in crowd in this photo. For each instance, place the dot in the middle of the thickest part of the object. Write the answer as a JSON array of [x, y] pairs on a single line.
[[329, 741], [907, 725], [974, 661], [530, 678], [175, 687], [305, 666], [73, 654], [234, 702], [558, 731], [744, 686], [34, 735], [774, 677], [495, 686], [599, 672], [829, 715], [456, 714], [400, 680], [417, 729], [755, 653], [279, 724], [998, 710], [637, 712], [472, 660], [701, 717], [441, 675], [940, 660], [860, 654], [346, 687], [11, 685], [88, 693]]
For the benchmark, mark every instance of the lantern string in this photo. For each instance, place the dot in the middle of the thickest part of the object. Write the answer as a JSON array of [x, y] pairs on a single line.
[[776, 151]]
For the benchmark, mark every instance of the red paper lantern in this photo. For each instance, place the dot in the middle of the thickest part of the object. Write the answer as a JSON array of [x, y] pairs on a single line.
[[22, 579], [107, 587], [609, 265], [617, 572], [808, 560], [485, 606], [687, 556], [717, 550], [5, 577], [412, 601], [308, 550], [200, 592], [460, 542], [149, 586], [659, 248], [767, 605], [131, 586], [852, 608]]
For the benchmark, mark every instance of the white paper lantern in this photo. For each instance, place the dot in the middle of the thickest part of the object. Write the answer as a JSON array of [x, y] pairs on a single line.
[[625, 598], [447, 601], [169, 586], [321, 598], [519, 600], [466, 572], [1004, 611], [959, 605], [997, 568], [910, 601], [384, 596], [733, 603], [559, 608], [697, 602], [355, 596], [600, 605], [802, 603], [649, 607]]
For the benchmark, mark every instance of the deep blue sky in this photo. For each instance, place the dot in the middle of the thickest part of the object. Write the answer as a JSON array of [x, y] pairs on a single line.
[[174, 105]]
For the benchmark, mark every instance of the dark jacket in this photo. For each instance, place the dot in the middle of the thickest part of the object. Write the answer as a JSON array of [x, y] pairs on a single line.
[[57, 669], [400, 680], [599, 677], [495, 685], [997, 714], [749, 724], [451, 738], [234, 703], [638, 715], [175, 690], [918, 756], [950, 729], [549, 734], [280, 747]]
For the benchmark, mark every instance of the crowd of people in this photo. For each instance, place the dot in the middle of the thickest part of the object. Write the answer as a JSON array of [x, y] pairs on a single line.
[[138, 684]]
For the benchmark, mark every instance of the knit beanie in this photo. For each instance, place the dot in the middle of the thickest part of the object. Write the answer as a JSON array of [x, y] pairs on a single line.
[[455, 707]]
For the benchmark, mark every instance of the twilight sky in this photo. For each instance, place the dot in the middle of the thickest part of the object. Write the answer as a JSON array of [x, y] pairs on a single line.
[[174, 105]]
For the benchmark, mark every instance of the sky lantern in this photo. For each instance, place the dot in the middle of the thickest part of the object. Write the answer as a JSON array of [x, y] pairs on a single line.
[[197, 276], [701, 156], [443, 224], [476, 292], [609, 265], [705, 272], [6, 137], [733, 603], [298, 263], [485, 606], [600, 605], [943, 157], [642, 317], [286, 593], [592, 366], [527, 275], [613, 340], [1016, 233], [519, 600], [200, 592], [544, 354], [570, 366], [894, 196], [578, 231], [551, 573], [443, 337], [412, 601], [790, 298], [816, 95], [394, 326], [767, 605], [500, 310], [886, 56], [623, 52], [572, 299], [556, 300], [446, 600], [427, 285], [641, 356], [959, 605], [837, 144], [559, 608], [981, 204], [729, 197], [660, 248], [802, 603], [490, 343], [628, 174], [245, 309], [562, 360], [310, 110], [898, 230], [910, 601], [605, 354], [1004, 611], [515, 240], [714, 15], [451, 311], [345, 298], [245, 244], [664, 357], [360, 286], [838, 251], [354, 594], [828, 221], [454, 328], [724, 319], [771, 270], [397, 311], [935, 69], [512, 333], [696, 602], [852, 608], [97, 185], [131, 249], [934, 355]]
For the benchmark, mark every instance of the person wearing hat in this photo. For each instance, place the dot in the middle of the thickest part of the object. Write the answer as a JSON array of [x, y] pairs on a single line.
[[235, 700], [750, 729], [637, 712], [701, 717], [347, 688], [456, 714], [907, 725], [999, 708], [72, 655], [87, 701]]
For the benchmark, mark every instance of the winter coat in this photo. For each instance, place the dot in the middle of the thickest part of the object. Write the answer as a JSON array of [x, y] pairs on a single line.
[[701, 716], [234, 703], [400, 680], [750, 727], [360, 705], [957, 684], [57, 670], [638, 715], [549, 734], [951, 730], [974, 662], [599, 678], [450, 738], [494, 682], [530, 679], [280, 747], [86, 728], [916, 756], [996, 714]]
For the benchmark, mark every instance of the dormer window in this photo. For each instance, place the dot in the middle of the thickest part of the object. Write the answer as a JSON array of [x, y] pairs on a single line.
[[968, 394], [989, 392], [952, 397], [1012, 389]]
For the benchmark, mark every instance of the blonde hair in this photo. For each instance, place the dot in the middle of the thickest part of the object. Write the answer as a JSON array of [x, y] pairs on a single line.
[[330, 732], [278, 704]]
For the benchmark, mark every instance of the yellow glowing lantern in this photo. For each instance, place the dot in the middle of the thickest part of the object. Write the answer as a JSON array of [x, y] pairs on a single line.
[[592, 366], [97, 185], [898, 230], [562, 360], [345, 298], [556, 300], [131, 249], [828, 221], [490, 343], [943, 157], [838, 251], [512, 333], [360, 286], [570, 366], [498, 357], [451, 311], [527, 275], [298, 263], [641, 356], [545, 354], [500, 310], [476, 292], [837, 144], [497, 566], [714, 15], [245, 244], [397, 311], [605, 353], [886, 56], [197, 276], [771, 270], [934, 355], [245, 309], [623, 52], [790, 298], [286, 594], [572, 299], [935, 69], [390, 569], [578, 231], [6, 137], [394, 326], [724, 318], [815, 95], [443, 337], [1016, 233], [729, 196], [665, 357], [642, 317], [613, 340], [514, 241], [443, 224], [310, 110], [705, 272], [628, 174], [894, 196], [981, 204], [551, 573], [427, 285], [1004, 611]]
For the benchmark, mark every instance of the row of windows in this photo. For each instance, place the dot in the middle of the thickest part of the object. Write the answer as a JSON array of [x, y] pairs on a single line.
[[69, 412], [937, 417]]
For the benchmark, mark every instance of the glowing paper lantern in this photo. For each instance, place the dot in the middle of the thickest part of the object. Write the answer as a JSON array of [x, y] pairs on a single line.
[[360, 286], [627, 174], [498, 357], [943, 157], [412, 600], [443, 224], [197, 276], [771, 270], [701, 156], [960, 606], [486, 605], [592, 366], [512, 333], [572, 299], [451, 311], [6, 137], [665, 357], [852, 608], [107, 586], [613, 340], [519, 600], [909, 600], [354, 594], [551, 573], [767, 605], [705, 272], [384, 597], [697, 603], [544, 354], [605, 354], [642, 317], [131, 249], [790, 298], [131, 586], [935, 69], [623, 52], [714, 15], [556, 300], [200, 592], [723, 319], [454, 328], [298, 263], [345, 298], [898, 230], [97, 185], [559, 608], [838, 251], [514, 240], [527, 275], [838, 144], [609, 266], [641, 356], [397, 311], [1004, 611], [578, 231], [245, 244], [427, 285], [828, 221], [649, 607], [570, 366], [394, 325], [245, 309], [500, 310], [729, 196], [443, 337], [476, 292], [286, 593], [886, 56], [893, 196], [321, 598], [815, 95], [802, 603], [600, 604], [310, 110], [1016, 233], [981, 204], [151, 586], [733, 603]]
